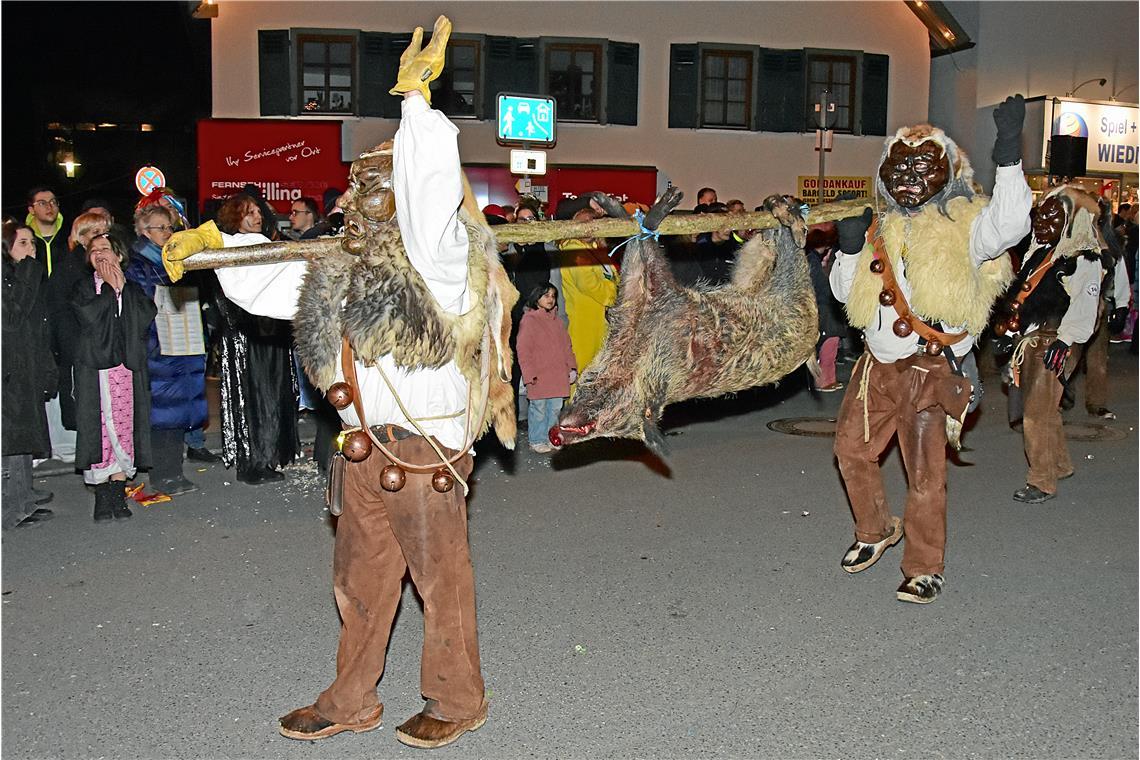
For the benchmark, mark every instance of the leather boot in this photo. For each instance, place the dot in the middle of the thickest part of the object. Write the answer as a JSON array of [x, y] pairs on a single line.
[[104, 511], [117, 496]]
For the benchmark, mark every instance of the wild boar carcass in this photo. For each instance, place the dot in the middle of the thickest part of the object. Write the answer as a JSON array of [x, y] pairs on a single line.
[[668, 343]]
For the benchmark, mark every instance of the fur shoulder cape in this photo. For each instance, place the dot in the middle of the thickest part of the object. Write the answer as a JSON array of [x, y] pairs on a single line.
[[935, 248], [383, 306]]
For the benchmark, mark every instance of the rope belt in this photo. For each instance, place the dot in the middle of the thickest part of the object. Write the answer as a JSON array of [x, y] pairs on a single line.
[[1018, 357]]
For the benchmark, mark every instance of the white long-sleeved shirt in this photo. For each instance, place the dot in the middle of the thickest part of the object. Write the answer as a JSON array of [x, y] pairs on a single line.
[[1083, 288], [427, 183], [998, 226]]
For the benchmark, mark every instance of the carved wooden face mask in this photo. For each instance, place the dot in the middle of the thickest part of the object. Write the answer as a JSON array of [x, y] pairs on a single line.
[[913, 174], [1049, 221], [370, 201]]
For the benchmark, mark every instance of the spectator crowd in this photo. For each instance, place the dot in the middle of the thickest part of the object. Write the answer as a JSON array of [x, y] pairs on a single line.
[[105, 359]]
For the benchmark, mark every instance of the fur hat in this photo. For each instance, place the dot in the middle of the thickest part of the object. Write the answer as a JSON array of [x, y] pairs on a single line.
[[1081, 211], [961, 182]]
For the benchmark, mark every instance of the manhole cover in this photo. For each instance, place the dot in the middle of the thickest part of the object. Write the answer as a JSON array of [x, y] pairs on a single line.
[[1087, 431], [811, 426]]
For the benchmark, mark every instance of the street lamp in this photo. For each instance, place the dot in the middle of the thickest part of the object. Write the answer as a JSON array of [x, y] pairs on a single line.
[[1099, 80]]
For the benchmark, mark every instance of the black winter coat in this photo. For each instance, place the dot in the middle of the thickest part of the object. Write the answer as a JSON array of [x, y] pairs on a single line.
[[29, 369], [68, 268], [107, 339]]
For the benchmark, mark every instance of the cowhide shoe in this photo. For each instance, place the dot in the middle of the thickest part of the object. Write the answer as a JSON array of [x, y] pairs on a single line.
[[861, 556], [921, 589], [306, 724], [428, 732]]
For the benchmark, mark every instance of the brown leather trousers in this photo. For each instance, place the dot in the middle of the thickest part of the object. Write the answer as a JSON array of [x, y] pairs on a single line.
[[910, 397], [379, 536], [1042, 429]]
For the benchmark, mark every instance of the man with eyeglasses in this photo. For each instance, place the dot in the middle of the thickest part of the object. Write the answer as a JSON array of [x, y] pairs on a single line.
[[303, 218], [46, 222]]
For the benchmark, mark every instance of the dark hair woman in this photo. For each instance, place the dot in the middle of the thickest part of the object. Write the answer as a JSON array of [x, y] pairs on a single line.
[[112, 387], [29, 372], [259, 384]]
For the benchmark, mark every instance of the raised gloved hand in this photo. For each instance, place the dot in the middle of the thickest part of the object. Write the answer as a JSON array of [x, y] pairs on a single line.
[[419, 67], [1009, 118], [1117, 320], [853, 231], [1056, 355], [186, 243]]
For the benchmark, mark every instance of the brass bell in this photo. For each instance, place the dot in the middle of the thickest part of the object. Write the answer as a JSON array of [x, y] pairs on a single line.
[[877, 266], [392, 478], [1015, 307], [902, 327], [1000, 328], [356, 446], [887, 297], [1026, 286], [1013, 324], [934, 348], [339, 395], [442, 481]]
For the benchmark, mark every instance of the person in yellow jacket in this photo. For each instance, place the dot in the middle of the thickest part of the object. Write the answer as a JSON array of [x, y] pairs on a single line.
[[589, 286]]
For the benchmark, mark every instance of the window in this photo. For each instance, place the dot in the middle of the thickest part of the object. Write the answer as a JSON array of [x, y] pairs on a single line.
[[458, 88], [726, 89], [728, 86], [836, 74], [326, 65], [573, 80]]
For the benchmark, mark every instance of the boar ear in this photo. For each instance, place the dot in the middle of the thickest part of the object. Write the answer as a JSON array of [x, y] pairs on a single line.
[[653, 438]]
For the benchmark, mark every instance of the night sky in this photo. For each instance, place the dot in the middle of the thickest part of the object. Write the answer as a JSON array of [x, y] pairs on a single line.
[[100, 62]]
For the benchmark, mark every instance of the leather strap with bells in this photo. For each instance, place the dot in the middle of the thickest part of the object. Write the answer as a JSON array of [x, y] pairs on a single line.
[[357, 445], [892, 295], [1013, 322]]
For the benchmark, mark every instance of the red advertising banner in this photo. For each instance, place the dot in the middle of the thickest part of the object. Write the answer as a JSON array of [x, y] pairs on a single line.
[[495, 184], [286, 158]]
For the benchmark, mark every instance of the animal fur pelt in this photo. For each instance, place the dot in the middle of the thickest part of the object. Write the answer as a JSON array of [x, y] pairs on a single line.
[[945, 284], [667, 342], [380, 302]]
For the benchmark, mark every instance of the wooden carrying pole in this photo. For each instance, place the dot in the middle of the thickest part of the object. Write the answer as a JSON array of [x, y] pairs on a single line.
[[532, 232]]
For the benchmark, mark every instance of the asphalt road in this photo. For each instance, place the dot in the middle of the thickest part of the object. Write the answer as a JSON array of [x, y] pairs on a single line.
[[627, 608]]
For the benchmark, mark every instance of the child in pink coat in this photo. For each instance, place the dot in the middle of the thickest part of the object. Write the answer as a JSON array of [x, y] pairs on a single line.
[[546, 359]]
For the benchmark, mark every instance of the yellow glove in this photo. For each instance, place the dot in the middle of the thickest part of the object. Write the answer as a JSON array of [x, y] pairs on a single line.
[[418, 67], [184, 244]]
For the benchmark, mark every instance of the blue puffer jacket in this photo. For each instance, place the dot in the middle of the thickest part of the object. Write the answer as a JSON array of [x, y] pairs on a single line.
[[177, 383]]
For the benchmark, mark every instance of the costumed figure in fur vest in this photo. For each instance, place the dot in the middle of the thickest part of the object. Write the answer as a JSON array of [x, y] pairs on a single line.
[[920, 281], [1051, 308], [407, 328]]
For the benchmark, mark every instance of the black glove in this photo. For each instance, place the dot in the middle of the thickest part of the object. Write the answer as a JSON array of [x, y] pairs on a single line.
[[1002, 344], [853, 231], [1117, 320], [1009, 118], [1056, 355]]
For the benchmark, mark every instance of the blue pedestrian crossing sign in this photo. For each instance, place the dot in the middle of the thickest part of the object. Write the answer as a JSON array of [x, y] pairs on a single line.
[[526, 119]]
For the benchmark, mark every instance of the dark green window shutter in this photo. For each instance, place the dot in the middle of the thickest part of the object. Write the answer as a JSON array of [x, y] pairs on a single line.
[[509, 65], [621, 83], [684, 86], [782, 91], [526, 66], [377, 74], [876, 70], [275, 84]]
